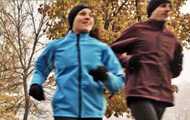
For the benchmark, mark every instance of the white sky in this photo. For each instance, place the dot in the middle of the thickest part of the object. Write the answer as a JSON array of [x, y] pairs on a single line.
[[186, 8]]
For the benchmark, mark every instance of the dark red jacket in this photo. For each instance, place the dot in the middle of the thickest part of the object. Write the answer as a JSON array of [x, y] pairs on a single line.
[[158, 50]]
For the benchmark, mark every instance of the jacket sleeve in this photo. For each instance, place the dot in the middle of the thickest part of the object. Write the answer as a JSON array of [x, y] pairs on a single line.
[[177, 62], [125, 44], [43, 65], [116, 75]]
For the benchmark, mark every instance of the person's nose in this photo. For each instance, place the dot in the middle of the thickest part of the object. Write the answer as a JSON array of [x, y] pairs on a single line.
[[87, 17]]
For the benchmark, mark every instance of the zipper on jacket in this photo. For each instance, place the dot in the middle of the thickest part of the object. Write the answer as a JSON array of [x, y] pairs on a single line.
[[79, 77], [160, 68]]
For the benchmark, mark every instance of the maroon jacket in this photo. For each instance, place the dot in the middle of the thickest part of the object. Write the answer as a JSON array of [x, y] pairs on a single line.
[[160, 58]]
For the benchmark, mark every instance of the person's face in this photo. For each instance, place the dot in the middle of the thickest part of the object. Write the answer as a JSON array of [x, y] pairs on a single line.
[[162, 12], [84, 21]]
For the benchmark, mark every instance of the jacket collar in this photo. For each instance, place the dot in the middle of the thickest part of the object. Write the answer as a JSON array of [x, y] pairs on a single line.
[[160, 25], [73, 35]]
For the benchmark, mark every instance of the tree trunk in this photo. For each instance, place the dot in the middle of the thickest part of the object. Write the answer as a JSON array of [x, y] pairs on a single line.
[[137, 11], [27, 99]]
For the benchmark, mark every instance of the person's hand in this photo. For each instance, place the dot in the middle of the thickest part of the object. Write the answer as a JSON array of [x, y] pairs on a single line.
[[36, 91], [134, 64], [122, 59], [100, 73], [175, 88]]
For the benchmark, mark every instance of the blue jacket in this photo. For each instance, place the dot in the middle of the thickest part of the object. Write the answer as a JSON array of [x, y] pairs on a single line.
[[72, 57]]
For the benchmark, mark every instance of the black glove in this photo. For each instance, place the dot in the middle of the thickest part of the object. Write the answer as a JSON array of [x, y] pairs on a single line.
[[100, 73], [176, 65], [134, 64], [37, 92]]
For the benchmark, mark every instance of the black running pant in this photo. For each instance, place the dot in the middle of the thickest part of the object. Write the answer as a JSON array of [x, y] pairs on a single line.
[[145, 109]]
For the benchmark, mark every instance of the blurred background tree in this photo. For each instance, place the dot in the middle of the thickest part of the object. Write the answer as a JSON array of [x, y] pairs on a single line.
[[17, 51]]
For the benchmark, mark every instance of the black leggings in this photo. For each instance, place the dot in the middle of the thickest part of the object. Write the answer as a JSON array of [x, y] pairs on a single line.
[[66, 118], [145, 109]]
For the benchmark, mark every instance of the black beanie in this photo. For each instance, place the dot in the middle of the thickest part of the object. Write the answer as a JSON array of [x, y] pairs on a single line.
[[153, 4], [73, 13]]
